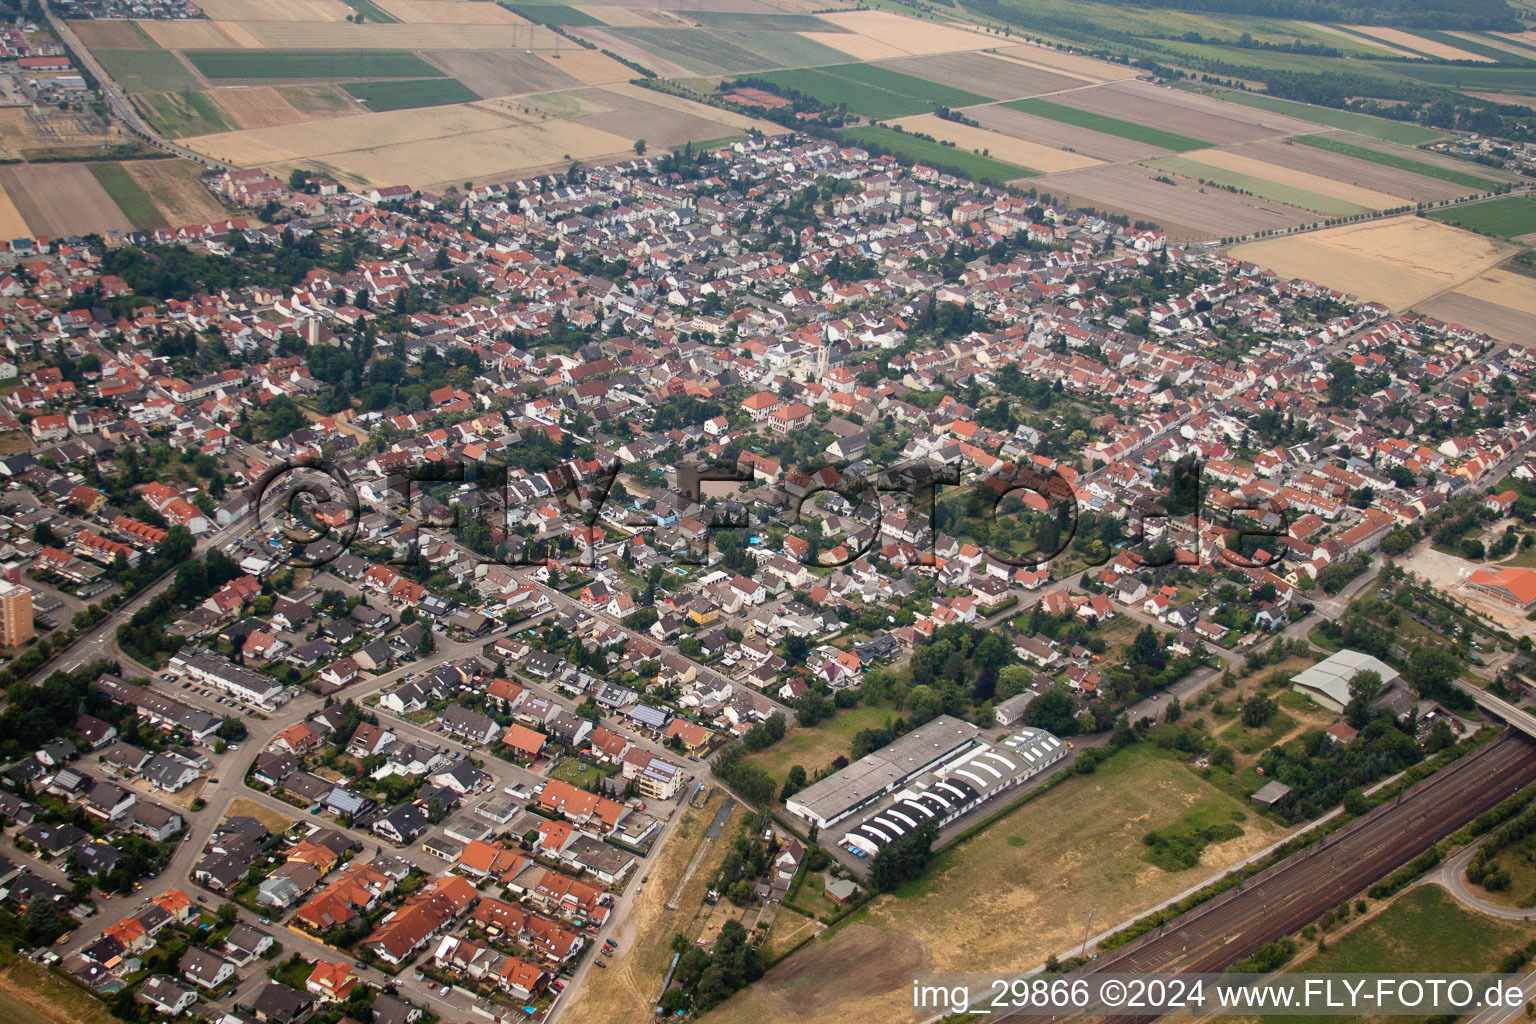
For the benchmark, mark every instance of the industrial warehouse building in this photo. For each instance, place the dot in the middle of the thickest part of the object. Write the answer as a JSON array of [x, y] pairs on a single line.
[[1327, 682], [962, 785], [924, 749]]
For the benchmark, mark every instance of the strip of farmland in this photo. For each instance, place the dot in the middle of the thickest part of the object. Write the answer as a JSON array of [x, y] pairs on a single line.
[[1108, 125]]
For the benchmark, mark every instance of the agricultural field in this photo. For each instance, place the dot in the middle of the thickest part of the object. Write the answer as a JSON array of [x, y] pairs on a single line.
[[1509, 217], [1072, 849], [144, 71], [241, 64], [449, 12], [1500, 302], [178, 191], [1058, 135], [996, 77], [1400, 261], [551, 14], [1008, 148], [1404, 185], [881, 35], [1107, 125], [177, 115], [873, 91], [130, 196], [1518, 81], [1333, 144], [62, 199], [1294, 188], [12, 223], [409, 93], [1423, 43], [974, 165], [256, 106], [1184, 209], [1361, 124], [438, 145]]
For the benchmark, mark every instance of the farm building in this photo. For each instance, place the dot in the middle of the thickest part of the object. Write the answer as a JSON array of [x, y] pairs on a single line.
[[1327, 682]]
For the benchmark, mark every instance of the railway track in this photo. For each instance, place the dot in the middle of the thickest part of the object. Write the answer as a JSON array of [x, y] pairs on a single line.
[[1284, 897]]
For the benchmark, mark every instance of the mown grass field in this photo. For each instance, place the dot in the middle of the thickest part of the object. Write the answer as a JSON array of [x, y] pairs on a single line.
[[1280, 193], [1402, 163], [137, 205], [814, 749], [1361, 124], [1108, 125], [235, 64], [1508, 217], [411, 92], [974, 165], [873, 92], [181, 114]]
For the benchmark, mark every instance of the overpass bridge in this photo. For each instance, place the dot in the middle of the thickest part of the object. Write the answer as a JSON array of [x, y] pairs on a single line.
[[1517, 717]]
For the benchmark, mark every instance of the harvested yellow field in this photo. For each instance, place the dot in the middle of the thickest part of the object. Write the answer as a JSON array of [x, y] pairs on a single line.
[[316, 138], [856, 46], [277, 10], [589, 67], [12, 223], [1369, 198], [277, 35], [319, 100], [1407, 40], [510, 151], [450, 12], [178, 191], [1033, 155], [258, 106], [1399, 261], [1071, 63], [898, 35], [193, 35], [1504, 288]]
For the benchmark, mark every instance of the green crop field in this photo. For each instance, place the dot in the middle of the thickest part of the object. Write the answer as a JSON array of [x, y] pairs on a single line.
[[310, 64], [873, 92], [552, 14], [973, 165], [864, 100], [129, 195], [1361, 124], [411, 92], [1262, 187], [906, 85], [1517, 81], [146, 70], [1402, 163], [1508, 217], [183, 114], [1107, 125]]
